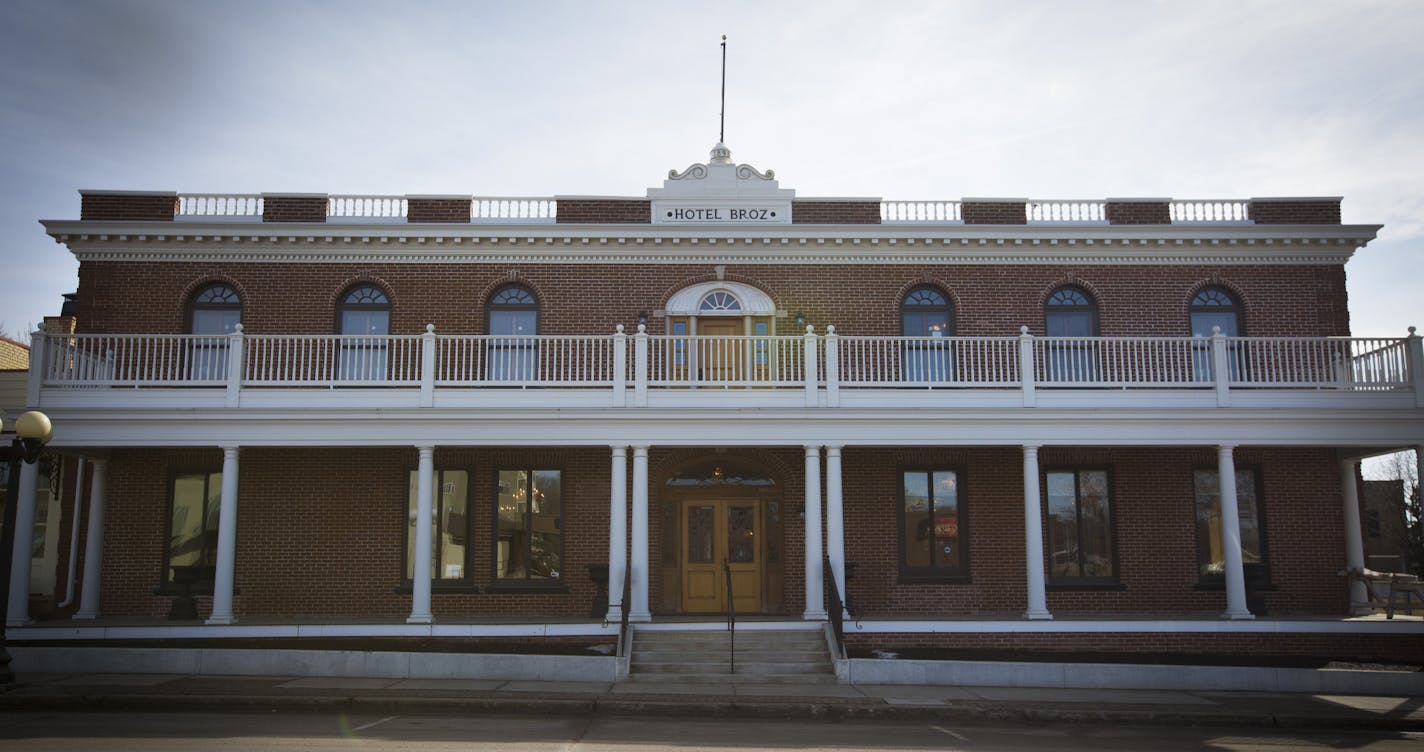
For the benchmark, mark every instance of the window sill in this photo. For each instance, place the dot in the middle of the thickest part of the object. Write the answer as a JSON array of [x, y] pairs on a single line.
[[464, 588], [553, 588], [1071, 587], [934, 579]]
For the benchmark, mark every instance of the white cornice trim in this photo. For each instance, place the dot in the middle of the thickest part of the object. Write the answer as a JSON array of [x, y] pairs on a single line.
[[237, 242]]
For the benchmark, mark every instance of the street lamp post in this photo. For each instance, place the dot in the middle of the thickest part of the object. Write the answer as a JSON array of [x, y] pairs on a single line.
[[32, 432]]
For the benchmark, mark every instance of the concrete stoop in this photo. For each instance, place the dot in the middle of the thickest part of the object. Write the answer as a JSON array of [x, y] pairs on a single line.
[[706, 657]]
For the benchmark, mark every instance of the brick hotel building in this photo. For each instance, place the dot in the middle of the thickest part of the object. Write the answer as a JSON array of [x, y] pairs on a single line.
[[1125, 425]]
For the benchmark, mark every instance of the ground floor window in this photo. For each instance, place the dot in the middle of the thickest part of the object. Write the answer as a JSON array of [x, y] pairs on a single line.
[[1211, 553], [528, 522], [1080, 527], [933, 538], [195, 499], [449, 527]]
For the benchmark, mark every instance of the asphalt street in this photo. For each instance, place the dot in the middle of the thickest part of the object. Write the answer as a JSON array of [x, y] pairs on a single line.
[[187, 731]]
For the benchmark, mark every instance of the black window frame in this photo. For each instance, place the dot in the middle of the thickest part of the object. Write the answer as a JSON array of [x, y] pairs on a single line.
[[1257, 576], [1090, 306], [934, 574], [506, 584], [466, 583], [1235, 308], [1068, 362], [208, 573], [1081, 582]]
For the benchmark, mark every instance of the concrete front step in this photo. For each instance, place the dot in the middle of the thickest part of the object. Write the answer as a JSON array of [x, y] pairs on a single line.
[[737, 678], [763, 656]]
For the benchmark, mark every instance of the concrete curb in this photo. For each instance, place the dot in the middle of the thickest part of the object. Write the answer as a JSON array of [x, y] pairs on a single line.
[[696, 706]]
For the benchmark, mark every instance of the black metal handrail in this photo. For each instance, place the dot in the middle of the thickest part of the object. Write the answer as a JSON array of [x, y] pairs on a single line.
[[731, 621], [622, 614], [837, 606]]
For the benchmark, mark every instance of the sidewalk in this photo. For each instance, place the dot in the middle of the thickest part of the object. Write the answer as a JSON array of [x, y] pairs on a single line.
[[169, 692]]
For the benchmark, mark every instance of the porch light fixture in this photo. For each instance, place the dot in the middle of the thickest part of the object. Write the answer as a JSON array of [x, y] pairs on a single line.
[[32, 432], [642, 318], [800, 321]]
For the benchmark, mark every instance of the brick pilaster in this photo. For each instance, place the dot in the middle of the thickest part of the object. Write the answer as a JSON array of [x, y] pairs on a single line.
[[1138, 211], [438, 208], [605, 211], [1294, 211], [137, 206], [994, 211], [294, 207], [854, 212]]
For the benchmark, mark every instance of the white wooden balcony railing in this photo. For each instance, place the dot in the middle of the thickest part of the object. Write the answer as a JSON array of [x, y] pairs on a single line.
[[820, 365]]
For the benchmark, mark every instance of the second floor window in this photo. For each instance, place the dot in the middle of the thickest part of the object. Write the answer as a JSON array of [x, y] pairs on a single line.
[[1072, 315], [513, 324], [364, 316], [926, 317], [213, 313]]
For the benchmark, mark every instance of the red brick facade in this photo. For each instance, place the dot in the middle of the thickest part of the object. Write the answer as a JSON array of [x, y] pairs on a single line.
[[994, 212], [1288, 301], [321, 531]]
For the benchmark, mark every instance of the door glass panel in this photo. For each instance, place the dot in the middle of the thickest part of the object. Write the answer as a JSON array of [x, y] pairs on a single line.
[[700, 534], [1062, 526], [741, 535], [546, 506], [1096, 523]]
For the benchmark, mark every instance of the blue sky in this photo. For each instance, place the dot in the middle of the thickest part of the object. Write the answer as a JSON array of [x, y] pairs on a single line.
[[899, 100]]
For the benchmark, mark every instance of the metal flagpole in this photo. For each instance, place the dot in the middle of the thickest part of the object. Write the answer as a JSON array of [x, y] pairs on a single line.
[[722, 118]]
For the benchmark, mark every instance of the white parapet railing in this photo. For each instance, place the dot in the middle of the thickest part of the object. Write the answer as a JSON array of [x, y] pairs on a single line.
[[1358, 363], [380, 208], [524, 361], [499, 208], [331, 360], [727, 361], [928, 361], [1187, 211], [1148, 362], [204, 205], [1055, 211], [920, 211]]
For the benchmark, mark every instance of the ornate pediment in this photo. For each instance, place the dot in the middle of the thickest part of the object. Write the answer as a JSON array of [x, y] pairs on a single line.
[[721, 192]]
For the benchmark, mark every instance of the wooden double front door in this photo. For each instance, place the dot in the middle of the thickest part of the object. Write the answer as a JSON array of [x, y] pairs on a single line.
[[722, 537]]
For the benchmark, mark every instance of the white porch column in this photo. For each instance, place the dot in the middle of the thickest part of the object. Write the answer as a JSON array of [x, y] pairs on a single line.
[[835, 519], [617, 533], [1033, 537], [19, 612], [1231, 536], [1354, 541], [224, 576], [424, 514], [94, 541], [815, 590], [640, 612]]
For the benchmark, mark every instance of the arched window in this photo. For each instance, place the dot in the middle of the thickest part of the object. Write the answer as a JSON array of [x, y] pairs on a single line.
[[364, 317], [213, 312], [513, 319], [925, 318], [719, 301], [1069, 312], [1214, 306]]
